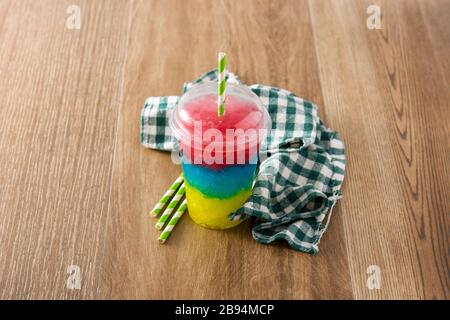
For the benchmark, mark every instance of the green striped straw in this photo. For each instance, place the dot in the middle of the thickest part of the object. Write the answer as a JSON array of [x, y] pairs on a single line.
[[176, 217], [222, 83], [165, 215], [166, 197]]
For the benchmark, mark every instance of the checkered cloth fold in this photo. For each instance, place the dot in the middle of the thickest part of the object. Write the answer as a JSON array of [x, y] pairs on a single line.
[[301, 165]]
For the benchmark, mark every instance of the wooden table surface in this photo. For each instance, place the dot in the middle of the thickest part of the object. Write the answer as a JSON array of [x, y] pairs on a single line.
[[76, 186]]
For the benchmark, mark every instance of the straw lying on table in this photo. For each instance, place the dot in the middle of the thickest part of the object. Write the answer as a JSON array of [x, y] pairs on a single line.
[[171, 198], [166, 197], [176, 217], [166, 214]]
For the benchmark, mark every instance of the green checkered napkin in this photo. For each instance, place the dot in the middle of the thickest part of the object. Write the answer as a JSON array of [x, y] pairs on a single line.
[[301, 165]]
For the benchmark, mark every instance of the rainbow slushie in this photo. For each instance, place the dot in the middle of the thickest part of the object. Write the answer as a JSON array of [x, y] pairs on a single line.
[[219, 153]]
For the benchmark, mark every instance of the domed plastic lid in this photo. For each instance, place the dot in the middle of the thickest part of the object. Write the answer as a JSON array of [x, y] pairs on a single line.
[[196, 124]]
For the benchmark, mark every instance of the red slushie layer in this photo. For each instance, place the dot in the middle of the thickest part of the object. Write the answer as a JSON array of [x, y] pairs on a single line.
[[236, 129]]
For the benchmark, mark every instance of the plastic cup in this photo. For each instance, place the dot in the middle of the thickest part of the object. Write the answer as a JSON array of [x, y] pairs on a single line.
[[218, 153]]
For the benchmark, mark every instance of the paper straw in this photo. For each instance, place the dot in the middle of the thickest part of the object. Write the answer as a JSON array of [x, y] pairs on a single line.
[[166, 197], [222, 83], [166, 213], [176, 217]]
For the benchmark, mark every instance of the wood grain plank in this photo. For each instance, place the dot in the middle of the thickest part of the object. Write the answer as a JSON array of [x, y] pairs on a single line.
[[384, 91], [436, 15], [60, 92], [171, 42]]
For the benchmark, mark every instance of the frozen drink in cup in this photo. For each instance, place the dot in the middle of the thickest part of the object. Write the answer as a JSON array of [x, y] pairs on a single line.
[[218, 153]]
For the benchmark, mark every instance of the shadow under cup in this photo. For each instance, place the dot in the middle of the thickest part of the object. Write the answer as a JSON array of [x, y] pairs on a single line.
[[219, 153]]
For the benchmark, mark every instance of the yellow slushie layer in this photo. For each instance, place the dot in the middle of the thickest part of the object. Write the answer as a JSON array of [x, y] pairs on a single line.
[[213, 212]]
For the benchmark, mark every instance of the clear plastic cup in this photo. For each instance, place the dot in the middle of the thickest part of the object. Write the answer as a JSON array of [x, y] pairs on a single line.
[[218, 153]]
